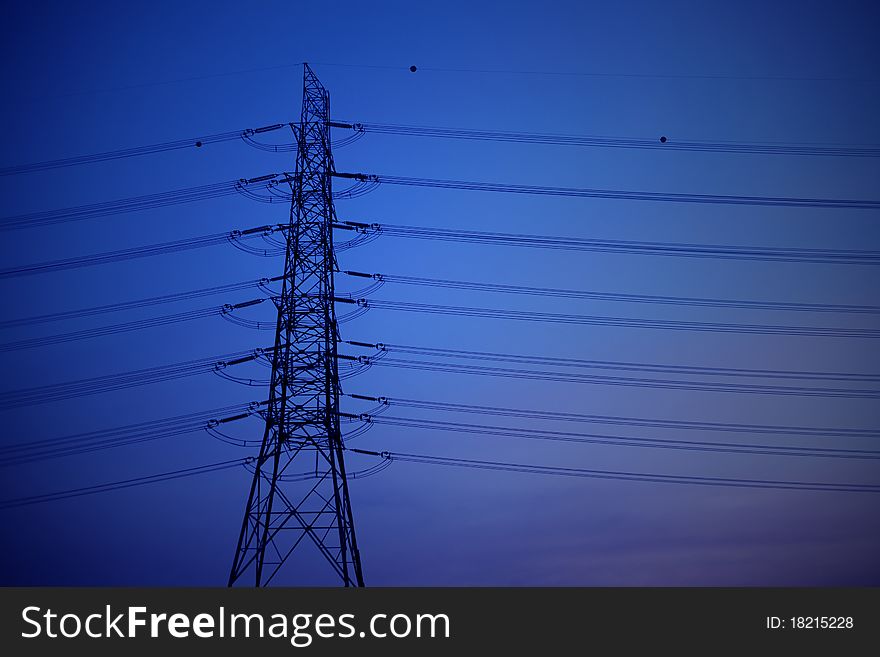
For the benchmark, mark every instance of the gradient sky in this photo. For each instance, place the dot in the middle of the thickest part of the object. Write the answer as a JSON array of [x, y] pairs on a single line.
[[87, 77]]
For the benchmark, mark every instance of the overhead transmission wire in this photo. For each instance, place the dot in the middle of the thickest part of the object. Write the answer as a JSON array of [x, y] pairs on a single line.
[[136, 151], [767, 148], [389, 457], [248, 187], [265, 189], [626, 322], [689, 250], [125, 483], [125, 327], [384, 418], [260, 283], [359, 129], [219, 364], [121, 255], [617, 365], [236, 238], [641, 382], [407, 70], [600, 74], [120, 206], [134, 378], [247, 136], [366, 232], [603, 379], [202, 469], [616, 420], [123, 380], [578, 192], [140, 303], [130, 434], [137, 433], [559, 471], [174, 474], [622, 441], [611, 296], [268, 189]]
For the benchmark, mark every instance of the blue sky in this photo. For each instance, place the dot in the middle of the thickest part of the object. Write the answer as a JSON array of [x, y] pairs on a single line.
[[84, 79]]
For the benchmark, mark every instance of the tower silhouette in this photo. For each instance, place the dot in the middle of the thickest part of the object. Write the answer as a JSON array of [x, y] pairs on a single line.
[[299, 494]]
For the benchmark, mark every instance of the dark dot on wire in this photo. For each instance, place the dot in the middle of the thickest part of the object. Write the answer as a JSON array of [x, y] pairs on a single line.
[[413, 69], [662, 140], [198, 144]]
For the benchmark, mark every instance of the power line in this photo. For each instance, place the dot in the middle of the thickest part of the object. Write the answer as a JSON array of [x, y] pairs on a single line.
[[616, 420], [626, 322], [150, 250], [603, 74], [162, 147], [247, 187], [780, 201], [125, 327], [619, 475], [107, 208], [123, 380], [125, 483], [622, 441], [140, 303], [768, 254], [620, 365], [247, 136], [131, 434], [610, 296], [627, 366], [406, 68], [265, 189], [87, 436], [639, 382], [619, 142], [164, 476]]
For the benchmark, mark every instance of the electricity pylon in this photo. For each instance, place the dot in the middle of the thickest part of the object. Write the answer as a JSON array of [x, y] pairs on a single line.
[[299, 495]]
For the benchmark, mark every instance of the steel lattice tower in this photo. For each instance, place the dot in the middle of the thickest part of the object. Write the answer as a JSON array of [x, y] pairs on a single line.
[[299, 493]]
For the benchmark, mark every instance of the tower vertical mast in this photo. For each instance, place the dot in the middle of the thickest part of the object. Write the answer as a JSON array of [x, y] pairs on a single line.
[[299, 494]]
